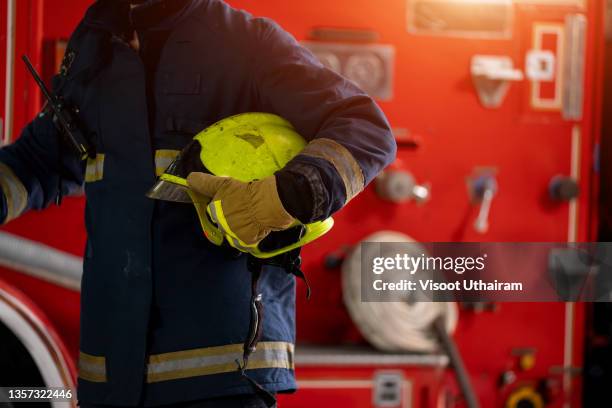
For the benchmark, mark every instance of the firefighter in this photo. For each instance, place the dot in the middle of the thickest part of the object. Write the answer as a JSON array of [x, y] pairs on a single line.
[[162, 309]]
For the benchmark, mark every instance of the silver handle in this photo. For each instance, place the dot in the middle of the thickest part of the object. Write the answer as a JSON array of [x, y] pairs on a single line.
[[481, 225], [484, 189]]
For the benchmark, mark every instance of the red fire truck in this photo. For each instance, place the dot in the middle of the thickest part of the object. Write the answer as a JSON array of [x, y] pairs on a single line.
[[495, 105]]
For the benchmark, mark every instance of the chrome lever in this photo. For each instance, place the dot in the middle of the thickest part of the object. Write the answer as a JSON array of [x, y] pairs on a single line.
[[484, 189]]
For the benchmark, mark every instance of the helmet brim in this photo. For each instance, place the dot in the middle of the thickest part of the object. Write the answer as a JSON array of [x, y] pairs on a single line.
[[165, 190]]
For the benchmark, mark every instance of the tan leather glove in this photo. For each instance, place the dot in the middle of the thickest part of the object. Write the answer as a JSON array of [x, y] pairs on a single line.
[[252, 210]]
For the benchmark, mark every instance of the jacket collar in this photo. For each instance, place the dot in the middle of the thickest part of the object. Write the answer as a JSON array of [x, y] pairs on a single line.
[[115, 16]]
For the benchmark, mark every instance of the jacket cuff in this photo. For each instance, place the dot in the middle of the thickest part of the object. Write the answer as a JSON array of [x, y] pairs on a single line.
[[346, 168], [310, 189], [296, 195]]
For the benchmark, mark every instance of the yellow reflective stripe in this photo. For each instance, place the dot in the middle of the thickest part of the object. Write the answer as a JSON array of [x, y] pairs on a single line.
[[92, 368], [214, 234], [216, 213], [217, 360], [163, 159], [174, 179], [313, 231], [95, 169], [342, 160], [197, 362], [186, 354], [14, 191]]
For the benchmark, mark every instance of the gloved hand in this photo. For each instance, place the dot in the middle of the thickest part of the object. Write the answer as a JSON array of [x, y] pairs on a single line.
[[252, 210]]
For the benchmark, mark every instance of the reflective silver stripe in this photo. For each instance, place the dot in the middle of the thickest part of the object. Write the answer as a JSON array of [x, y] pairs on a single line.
[[92, 368], [215, 218], [163, 159], [234, 241], [343, 161], [213, 215], [14, 191], [216, 360], [95, 169], [238, 245]]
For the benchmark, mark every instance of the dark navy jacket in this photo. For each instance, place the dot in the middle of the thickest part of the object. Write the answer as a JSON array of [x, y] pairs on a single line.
[[165, 313]]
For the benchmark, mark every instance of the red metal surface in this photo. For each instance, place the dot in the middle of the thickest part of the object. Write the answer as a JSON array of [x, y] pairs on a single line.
[[342, 387], [434, 98]]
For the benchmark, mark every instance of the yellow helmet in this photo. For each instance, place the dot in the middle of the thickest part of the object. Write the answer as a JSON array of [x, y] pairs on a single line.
[[247, 147]]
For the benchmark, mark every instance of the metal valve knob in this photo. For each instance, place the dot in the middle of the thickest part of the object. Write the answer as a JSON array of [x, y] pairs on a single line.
[[563, 188], [399, 186], [484, 188]]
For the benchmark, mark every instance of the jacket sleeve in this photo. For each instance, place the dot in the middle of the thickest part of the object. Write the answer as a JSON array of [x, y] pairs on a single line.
[[31, 168], [350, 140]]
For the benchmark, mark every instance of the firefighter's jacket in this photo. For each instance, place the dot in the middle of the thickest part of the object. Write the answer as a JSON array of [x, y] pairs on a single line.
[[164, 313]]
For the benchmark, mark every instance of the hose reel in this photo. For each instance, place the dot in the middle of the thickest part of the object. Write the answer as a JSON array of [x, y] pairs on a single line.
[[394, 326]]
